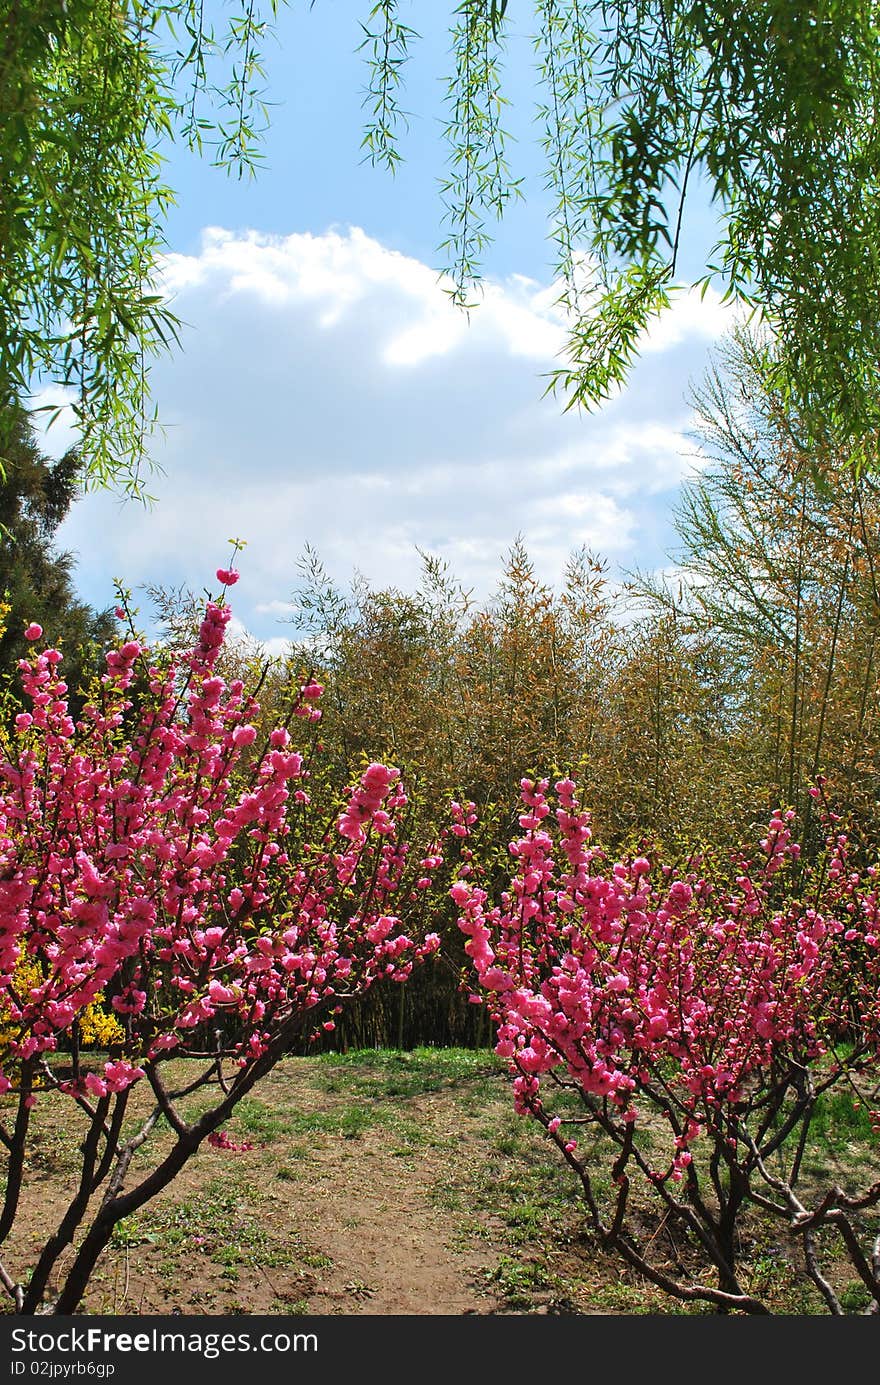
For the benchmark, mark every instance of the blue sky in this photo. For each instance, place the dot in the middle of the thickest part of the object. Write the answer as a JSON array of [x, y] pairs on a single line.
[[327, 393]]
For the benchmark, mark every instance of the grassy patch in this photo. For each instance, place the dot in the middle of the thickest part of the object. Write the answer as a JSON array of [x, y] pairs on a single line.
[[439, 1124], [521, 1281], [393, 1074]]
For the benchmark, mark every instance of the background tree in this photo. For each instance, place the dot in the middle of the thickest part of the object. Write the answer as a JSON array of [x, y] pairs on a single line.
[[464, 698], [467, 697], [688, 708], [35, 577], [768, 110], [778, 560]]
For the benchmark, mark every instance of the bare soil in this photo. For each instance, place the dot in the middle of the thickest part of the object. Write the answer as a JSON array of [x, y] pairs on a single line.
[[379, 1184], [370, 1201]]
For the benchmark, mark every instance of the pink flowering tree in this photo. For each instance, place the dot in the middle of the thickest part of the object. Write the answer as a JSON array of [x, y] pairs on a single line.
[[676, 1035], [160, 858]]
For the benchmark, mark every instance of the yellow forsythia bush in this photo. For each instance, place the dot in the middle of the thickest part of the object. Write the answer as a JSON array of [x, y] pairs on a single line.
[[98, 1027]]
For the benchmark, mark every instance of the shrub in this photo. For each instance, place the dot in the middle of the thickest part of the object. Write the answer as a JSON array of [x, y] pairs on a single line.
[[155, 853], [698, 1021]]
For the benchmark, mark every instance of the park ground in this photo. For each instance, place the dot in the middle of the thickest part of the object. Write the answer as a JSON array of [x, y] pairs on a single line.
[[375, 1183]]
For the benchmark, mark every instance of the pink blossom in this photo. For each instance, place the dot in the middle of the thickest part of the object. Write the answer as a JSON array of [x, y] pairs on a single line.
[[221, 1140], [223, 995], [610, 981], [199, 902], [121, 1074]]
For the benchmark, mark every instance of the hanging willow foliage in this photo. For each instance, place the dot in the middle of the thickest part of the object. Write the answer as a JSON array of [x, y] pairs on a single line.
[[769, 108]]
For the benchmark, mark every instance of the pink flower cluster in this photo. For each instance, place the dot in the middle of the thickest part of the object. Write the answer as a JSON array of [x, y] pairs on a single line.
[[156, 855], [365, 806], [622, 980], [219, 1139]]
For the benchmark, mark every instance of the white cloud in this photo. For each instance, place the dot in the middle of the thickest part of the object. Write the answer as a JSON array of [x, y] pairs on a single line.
[[691, 315], [54, 420], [328, 393], [275, 648], [338, 271], [275, 608]]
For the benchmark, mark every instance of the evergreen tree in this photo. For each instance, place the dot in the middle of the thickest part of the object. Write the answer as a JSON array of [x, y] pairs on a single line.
[[36, 579]]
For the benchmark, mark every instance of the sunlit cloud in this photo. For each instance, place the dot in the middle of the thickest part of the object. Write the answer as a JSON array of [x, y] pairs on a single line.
[[328, 393]]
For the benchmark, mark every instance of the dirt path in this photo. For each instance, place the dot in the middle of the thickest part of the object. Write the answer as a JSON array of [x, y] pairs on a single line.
[[363, 1184], [393, 1248], [361, 1194]]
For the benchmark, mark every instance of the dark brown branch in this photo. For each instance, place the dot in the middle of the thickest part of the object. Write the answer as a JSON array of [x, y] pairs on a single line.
[[72, 1218], [15, 1166]]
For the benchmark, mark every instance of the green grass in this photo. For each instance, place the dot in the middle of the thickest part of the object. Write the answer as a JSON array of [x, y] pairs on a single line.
[[263, 1124], [522, 1281], [495, 1175], [838, 1122], [395, 1074], [218, 1222]]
